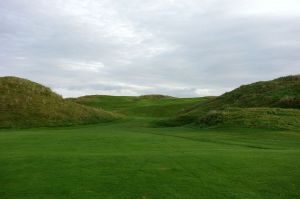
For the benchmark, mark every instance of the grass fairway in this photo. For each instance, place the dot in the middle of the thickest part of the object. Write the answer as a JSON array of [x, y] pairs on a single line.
[[142, 106], [131, 160]]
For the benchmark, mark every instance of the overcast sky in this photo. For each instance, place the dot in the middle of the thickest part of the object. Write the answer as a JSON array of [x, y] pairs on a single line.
[[132, 47]]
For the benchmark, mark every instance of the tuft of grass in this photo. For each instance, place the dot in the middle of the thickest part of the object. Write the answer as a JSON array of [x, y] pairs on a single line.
[[24, 103]]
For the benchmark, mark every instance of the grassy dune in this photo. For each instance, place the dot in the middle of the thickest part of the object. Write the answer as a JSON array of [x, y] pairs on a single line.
[[282, 92], [24, 103], [270, 104]]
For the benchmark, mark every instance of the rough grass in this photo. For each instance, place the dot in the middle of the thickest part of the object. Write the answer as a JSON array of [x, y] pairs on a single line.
[[254, 105], [129, 160], [271, 118], [283, 92], [27, 104]]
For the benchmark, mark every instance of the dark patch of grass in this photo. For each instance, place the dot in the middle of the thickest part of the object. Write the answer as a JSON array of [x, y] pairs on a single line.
[[271, 118]]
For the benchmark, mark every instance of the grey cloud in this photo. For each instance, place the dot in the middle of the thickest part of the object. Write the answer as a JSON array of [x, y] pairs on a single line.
[[180, 48]]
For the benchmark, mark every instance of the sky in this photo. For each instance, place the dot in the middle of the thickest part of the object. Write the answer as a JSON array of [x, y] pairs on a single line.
[[183, 48]]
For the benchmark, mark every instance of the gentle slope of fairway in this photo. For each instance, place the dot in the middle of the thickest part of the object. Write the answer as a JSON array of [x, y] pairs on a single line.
[[130, 160]]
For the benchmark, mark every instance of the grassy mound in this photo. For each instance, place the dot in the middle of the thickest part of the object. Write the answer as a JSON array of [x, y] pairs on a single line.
[[283, 92], [24, 103], [268, 104], [142, 106]]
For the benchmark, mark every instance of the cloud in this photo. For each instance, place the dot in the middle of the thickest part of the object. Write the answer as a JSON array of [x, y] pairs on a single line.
[[82, 66], [175, 47]]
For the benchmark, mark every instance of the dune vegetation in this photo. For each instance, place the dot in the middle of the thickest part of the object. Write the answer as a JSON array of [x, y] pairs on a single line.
[[283, 92], [271, 104], [268, 104], [24, 103]]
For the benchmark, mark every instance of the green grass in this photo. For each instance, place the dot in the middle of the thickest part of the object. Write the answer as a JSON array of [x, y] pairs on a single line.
[[24, 104], [267, 104], [271, 118], [133, 157], [132, 160], [268, 118], [282, 92], [143, 106]]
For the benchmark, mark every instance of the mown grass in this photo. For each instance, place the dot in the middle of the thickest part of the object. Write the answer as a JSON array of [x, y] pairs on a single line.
[[131, 160]]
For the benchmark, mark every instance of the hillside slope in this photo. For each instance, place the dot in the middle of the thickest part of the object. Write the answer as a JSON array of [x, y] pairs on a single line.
[[282, 92], [142, 106], [24, 103], [266, 104]]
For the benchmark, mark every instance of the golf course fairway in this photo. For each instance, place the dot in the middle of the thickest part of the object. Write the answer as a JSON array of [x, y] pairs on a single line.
[[131, 159]]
